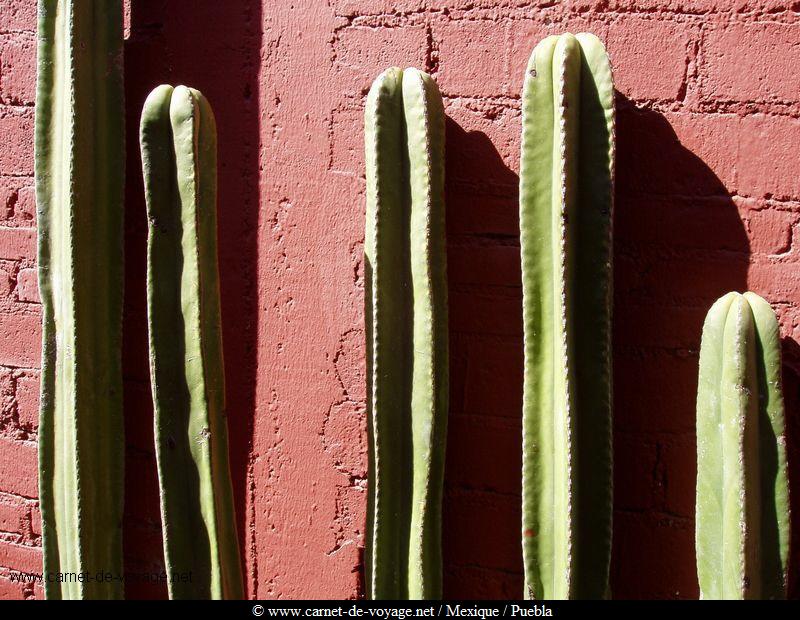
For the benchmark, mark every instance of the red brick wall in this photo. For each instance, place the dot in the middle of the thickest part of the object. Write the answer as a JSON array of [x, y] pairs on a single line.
[[708, 200], [19, 310]]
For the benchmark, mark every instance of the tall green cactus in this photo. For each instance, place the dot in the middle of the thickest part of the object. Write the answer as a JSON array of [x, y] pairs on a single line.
[[406, 326], [179, 159], [742, 521], [80, 161], [566, 185]]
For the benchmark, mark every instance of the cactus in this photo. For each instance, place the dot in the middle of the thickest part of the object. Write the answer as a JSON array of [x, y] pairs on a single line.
[[406, 327], [179, 160], [742, 521], [566, 187], [79, 165]]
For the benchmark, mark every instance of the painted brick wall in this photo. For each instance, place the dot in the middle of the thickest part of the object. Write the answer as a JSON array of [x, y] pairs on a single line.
[[708, 200], [20, 532]]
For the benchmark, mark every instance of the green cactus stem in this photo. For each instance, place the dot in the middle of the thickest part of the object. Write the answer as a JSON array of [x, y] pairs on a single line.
[[742, 520], [179, 159], [406, 327], [566, 187], [79, 165]]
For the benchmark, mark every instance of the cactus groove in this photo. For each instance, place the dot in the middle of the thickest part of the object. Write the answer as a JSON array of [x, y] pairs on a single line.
[[79, 165], [406, 325], [179, 158], [566, 183], [742, 520]]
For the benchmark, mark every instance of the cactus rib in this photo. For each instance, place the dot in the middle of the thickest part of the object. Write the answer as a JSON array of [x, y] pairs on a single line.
[[79, 165], [566, 189], [179, 157], [742, 523], [406, 325]]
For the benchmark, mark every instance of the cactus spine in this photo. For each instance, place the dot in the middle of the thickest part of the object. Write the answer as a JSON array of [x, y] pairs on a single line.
[[566, 183], [80, 160], [406, 326], [179, 159], [742, 521]]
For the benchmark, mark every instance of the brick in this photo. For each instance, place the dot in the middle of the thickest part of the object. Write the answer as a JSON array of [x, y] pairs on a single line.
[[500, 6], [17, 15], [347, 146], [7, 386], [27, 397], [484, 453], [14, 191], [643, 546], [8, 196], [349, 520], [768, 160], [643, 70], [135, 364], [493, 384], [789, 323], [138, 406], [483, 264], [18, 69], [25, 206], [13, 514], [458, 345], [770, 231], [20, 557], [350, 365], [705, 160], [676, 153], [20, 339], [679, 462], [141, 482], [475, 210], [483, 144], [479, 583], [788, 317], [486, 313], [10, 590], [695, 277], [682, 6], [776, 281], [709, 224], [344, 437], [18, 468], [16, 127], [28, 286], [523, 36], [126, 19], [752, 62], [635, 485], [655, 393], [490, 521], [353, 8], [17, 243], [472, 58], [36, 521], [362, 53], [765, 6], [7, 269], [144, 542]]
